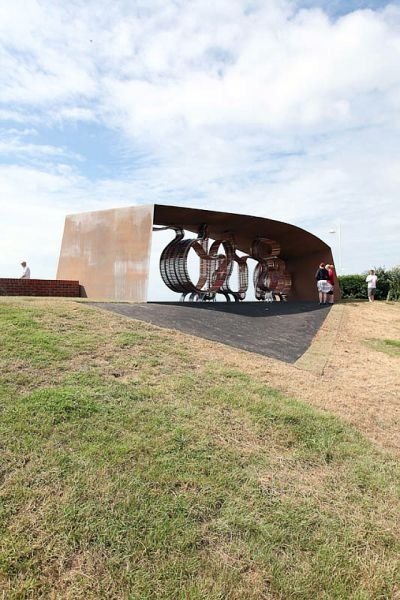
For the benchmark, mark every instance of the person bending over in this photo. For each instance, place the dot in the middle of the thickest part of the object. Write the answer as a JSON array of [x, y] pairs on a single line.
[[323, 287]]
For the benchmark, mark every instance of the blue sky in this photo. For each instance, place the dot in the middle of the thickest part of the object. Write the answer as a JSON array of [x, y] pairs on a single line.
[[283, 109]]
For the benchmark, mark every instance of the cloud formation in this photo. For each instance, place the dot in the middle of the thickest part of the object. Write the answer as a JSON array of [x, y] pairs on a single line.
[[279, 109]]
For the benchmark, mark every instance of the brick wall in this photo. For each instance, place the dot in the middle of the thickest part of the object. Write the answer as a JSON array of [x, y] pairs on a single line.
[[39, 287]]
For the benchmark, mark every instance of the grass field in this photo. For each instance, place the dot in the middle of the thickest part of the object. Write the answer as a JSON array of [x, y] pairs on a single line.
[[134, 466]]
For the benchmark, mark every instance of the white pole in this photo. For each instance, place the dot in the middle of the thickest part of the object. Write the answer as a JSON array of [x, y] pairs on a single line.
[[339, 228]]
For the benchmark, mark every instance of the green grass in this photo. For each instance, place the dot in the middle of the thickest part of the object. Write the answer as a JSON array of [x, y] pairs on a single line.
[[135, 468], [390, 347]]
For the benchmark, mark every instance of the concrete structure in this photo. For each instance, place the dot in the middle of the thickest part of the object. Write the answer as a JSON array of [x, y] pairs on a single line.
[[109, 251]]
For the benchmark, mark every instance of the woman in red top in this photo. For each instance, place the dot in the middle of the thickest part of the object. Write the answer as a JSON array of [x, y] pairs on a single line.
[[331, 280]]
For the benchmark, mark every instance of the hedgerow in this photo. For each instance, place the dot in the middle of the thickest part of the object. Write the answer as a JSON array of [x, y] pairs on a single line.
[[388, 285]]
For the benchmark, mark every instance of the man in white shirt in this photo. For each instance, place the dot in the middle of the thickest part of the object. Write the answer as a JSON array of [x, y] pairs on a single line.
[[371, 280], [27, 272]]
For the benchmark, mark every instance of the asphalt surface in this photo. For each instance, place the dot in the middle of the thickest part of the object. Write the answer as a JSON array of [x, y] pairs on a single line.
[[282, 330]]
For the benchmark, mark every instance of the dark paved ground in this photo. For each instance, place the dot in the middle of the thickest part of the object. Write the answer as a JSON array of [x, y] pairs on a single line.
[[280, 330]]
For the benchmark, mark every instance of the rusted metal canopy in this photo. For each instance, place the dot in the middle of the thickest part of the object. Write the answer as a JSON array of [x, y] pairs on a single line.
[[300, 250], [294, 241], [109, 251]]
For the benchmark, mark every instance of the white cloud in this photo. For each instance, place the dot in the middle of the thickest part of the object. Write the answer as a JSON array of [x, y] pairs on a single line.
[[245, 106], [13, 142]]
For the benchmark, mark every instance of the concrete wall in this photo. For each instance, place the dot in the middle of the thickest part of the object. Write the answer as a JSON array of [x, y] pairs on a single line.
[[39, 287], [109, 252]]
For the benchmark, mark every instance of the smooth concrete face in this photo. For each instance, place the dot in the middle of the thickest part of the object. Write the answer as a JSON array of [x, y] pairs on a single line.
[[108, 251]]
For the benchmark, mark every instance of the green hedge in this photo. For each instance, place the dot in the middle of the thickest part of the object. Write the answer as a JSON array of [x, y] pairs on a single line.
[[394, 289], [355, 287]]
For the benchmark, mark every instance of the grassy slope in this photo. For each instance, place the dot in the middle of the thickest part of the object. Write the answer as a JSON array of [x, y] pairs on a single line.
[[132, 468]]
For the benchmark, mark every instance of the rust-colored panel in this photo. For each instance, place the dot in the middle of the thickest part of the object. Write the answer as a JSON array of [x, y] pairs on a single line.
[[109, 252]]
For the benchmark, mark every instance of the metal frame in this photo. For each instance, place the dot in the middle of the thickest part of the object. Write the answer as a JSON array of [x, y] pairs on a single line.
[[271, 279]]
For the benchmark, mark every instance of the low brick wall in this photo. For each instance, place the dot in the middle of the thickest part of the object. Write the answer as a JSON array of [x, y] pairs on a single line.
[[40, 287]]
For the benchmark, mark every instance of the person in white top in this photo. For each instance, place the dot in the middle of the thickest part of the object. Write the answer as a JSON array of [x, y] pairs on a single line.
[[27, 272], [371, 280]]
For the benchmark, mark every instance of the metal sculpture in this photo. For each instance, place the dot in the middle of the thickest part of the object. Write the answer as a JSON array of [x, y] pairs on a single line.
[[217, 261]]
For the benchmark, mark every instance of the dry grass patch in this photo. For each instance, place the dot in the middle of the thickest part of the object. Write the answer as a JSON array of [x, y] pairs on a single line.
[[352, 380]]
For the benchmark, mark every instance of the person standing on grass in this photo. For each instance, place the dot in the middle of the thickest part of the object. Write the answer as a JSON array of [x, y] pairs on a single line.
[[323, 286], [371, 280], [331, 281], [27, 272]]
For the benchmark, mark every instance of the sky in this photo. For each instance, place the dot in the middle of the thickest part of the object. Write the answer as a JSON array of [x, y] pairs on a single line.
[[288, 110]]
